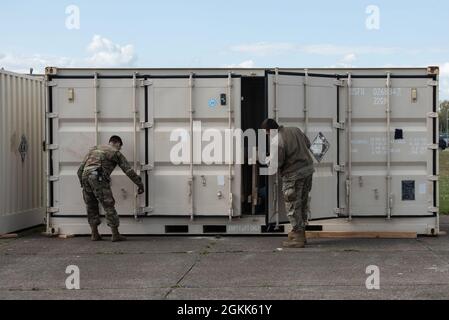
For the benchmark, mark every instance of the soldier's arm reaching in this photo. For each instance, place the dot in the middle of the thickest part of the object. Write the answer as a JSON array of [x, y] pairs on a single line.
[[128, 170], [277, 153], [280, 151]]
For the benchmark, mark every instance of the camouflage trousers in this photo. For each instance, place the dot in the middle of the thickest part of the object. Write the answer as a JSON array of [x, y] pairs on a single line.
[[95, 192], [297, 202]]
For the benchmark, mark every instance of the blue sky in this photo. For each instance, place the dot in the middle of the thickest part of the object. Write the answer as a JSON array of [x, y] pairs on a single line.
[[200, 33]]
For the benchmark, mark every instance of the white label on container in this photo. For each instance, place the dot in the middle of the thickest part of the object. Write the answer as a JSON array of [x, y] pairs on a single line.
[[221, 180], [423, 188], [244, 228]]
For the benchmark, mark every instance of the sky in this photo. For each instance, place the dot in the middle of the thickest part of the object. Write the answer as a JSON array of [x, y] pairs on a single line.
[[231, 33]]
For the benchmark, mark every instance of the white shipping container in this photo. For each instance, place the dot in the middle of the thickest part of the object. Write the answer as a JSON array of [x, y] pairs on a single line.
[[22, 186], [375, 134]]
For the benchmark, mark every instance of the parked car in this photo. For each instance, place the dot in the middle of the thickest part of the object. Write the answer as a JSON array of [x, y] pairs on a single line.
[[443, 143]]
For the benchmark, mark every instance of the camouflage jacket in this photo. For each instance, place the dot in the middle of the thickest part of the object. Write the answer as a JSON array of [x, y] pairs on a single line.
[[105, 159], [294, 159]]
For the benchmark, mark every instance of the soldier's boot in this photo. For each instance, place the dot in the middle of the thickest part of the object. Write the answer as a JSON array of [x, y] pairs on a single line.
[[95, 234], [291, 236], [295, 240], [116, 236]]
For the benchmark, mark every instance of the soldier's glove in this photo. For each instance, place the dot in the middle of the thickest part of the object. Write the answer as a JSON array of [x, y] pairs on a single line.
[[141, 190]]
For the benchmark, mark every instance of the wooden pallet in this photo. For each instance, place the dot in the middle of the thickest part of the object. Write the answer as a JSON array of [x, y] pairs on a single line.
[[9, 236], [361, 235]]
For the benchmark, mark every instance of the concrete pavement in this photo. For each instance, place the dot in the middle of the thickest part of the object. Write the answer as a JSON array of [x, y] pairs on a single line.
[[33, 267]]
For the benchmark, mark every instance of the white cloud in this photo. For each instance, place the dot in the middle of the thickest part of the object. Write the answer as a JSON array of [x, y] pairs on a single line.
[[329, 49], [445, 89], [244, 64], [105, 53], [444, 81], [266, 48], [347, 61], [102, 53], [349, 58], [444, 68], [23, 63]]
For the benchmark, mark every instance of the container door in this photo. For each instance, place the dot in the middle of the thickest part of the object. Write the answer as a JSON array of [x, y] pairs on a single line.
[[204, 184], [393, 146], [83, 113], [309, 102]]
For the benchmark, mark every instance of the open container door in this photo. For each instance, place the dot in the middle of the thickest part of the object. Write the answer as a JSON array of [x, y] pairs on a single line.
[[310, 102]]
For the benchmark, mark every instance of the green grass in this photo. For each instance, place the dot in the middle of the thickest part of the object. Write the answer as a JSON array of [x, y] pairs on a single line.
[[444, 182]]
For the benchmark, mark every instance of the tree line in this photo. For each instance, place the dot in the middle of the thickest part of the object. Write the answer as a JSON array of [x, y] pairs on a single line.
[[443, 115]]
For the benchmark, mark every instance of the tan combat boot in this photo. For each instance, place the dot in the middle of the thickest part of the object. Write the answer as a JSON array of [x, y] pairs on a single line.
[[291, 236], [296, 239], [116, 236], [95, 234]]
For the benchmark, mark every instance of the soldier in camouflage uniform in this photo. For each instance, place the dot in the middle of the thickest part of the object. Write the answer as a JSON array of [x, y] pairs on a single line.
[[295, 166], [94, 174]]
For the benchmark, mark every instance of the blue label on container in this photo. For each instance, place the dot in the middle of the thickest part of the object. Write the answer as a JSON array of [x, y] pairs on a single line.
[[212, 103]]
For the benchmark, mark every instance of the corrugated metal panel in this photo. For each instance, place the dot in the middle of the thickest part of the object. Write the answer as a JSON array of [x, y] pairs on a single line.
[[22, 196]]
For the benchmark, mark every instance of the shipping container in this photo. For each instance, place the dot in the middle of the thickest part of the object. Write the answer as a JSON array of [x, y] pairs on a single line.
[[373, 133], [22, 185]]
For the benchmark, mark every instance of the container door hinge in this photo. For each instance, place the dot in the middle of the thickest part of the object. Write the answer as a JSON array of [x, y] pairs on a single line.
[[50, 83], [432, 83], [145, 83], [52, 115], [339, 168], [339, 83], [432, 147], [53, 178], [433, 209], [146, 125], [52, 210], [145, 210], [432, 115], [339, 211], [339, 125], [52, 147], [433, 178], [146, 167]]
